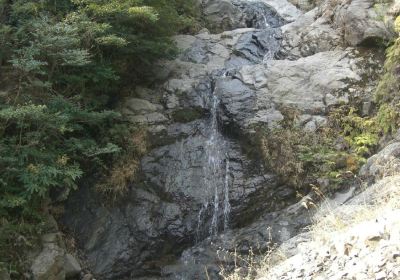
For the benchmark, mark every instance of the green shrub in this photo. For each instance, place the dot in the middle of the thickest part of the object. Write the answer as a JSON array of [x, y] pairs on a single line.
[[298, 156], [62, 65], [332, 152]]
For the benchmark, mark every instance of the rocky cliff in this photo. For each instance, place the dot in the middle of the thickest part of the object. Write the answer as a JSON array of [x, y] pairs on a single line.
[[200, 190]]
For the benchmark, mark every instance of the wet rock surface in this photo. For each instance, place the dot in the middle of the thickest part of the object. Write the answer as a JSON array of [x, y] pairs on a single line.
[[200, 191], [232, 14]]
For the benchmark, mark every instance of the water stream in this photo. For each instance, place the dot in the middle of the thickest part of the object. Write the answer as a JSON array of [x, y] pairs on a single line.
[[216, 178], [213, 216]]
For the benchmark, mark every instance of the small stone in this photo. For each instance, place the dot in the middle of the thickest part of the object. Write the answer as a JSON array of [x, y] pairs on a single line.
[[380, 275], [366, 108], [347, 248]]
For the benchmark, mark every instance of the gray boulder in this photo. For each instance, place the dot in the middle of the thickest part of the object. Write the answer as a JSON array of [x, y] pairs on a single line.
[[223, 15], [363, 22], [305, 5], [71, 266], [310, 34], [310, 84], [53, 262], [383, 164]]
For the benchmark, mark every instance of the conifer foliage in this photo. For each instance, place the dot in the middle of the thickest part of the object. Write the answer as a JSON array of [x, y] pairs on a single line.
[[62, 62]]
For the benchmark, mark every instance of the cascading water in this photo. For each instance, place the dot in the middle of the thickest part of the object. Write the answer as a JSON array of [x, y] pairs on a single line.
[[265, 21], [216, 178], [227, 205], [213, 217]]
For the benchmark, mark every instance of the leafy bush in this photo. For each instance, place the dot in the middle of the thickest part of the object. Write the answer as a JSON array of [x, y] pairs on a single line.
[[123, 171], [301, 157], [298, 156], [47, 146]]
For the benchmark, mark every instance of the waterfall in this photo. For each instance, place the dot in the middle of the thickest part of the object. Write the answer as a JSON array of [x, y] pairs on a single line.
[[216, 178], [227, 205]]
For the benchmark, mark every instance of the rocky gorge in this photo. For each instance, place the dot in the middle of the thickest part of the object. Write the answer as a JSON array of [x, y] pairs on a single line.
[[201, 194]]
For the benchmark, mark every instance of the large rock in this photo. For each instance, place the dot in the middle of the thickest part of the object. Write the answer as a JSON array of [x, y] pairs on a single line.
[[49, 265], [174, 204], [152, 225], [363, 22], [283, 8], [384, 163], [258, 46], [257, 237], [336, 25], [311, 85], [232, 14], [53, 262], [310, 34], [305, 5], [72, 267]]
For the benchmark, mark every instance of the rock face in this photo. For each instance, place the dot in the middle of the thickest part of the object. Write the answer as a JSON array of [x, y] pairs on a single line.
[[199, 188]]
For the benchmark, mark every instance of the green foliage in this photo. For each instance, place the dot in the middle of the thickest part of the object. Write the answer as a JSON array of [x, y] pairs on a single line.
[[5, 42], [388, 118], [16, 239], [388, 86], [135, 33], [62, 64], [361, 133], [298, 156], [301, 157], [48, 146]]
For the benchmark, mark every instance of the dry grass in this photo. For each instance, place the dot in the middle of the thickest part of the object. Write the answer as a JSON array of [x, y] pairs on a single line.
[[384, 196], [122, 173], [125, 169], [331, 220], [250, 265]]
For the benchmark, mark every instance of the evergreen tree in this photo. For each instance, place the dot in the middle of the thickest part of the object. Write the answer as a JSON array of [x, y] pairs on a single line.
[[60, 62]]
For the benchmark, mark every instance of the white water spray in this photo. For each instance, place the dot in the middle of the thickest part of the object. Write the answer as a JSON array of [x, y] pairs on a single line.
[[216, 178]]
